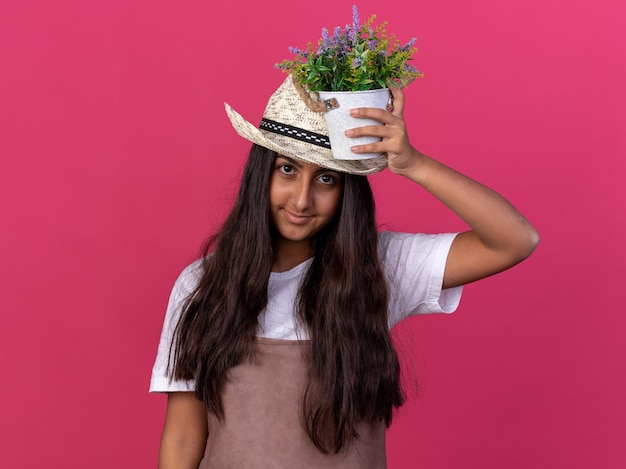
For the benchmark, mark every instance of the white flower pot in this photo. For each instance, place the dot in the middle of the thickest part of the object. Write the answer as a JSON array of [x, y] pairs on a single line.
[[339, 120]]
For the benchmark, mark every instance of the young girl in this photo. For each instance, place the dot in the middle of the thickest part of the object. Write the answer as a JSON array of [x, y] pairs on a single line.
[[275, 351]]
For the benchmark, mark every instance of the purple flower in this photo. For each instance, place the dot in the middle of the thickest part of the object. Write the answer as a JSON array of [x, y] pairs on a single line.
[[408, 45], [350, 35], [355, 18], [356, 24], [295, 50], [325, 42], [356, 63], [372, 44], [336, 40]]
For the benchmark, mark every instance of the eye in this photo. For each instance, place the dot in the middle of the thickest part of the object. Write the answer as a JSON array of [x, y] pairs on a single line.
[[286, 169], [328, 179]]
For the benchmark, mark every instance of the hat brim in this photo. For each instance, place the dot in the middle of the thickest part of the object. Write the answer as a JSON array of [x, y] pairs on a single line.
[[287, 146]]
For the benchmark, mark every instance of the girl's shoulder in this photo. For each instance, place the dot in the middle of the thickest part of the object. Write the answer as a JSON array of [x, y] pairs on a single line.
[[189, 277]]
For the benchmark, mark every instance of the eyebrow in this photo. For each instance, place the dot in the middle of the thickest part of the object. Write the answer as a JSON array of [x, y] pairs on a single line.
[[291, 160]]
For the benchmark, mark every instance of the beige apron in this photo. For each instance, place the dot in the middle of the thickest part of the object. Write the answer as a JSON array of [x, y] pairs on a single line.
[[262, 427]]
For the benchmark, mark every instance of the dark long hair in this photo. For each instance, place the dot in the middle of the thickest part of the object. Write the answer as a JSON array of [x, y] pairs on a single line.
[[353, 374]]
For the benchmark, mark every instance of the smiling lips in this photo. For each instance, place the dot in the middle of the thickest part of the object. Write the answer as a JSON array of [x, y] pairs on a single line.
[[297, 219]]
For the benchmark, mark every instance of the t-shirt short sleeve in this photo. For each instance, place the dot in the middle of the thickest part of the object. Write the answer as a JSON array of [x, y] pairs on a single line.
[[184, 285], [414, 265]]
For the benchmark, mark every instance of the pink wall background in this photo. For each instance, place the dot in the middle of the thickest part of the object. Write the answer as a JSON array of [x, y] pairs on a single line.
[[116, 160]]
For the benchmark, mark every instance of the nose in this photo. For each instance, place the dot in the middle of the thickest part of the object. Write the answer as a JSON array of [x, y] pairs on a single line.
[[303, 195]]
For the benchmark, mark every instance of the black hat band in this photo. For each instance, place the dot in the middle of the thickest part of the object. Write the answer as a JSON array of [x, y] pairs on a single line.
[[295, 132]]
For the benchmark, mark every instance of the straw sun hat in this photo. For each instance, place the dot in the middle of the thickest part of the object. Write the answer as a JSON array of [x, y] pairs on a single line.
[[291, 127]]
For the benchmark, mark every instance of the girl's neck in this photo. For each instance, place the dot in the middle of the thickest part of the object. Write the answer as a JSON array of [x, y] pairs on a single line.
[[288, 254]]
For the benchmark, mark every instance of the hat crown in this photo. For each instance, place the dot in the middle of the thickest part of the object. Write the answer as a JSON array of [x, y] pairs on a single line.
[[287, 107]]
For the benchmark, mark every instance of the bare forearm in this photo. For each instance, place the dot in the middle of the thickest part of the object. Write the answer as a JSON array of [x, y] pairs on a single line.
[[179, 454], [185, 432]]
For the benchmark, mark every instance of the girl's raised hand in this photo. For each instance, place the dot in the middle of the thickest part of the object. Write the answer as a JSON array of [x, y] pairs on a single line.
[[401, 155]]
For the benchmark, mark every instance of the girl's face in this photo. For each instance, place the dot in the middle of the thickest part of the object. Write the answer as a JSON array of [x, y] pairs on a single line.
[[303, 199]]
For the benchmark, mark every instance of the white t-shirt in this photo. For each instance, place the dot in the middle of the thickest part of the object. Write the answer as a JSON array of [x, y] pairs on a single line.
[[413, 264]]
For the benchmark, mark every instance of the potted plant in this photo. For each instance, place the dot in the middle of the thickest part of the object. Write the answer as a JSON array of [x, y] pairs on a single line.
[[352, 67]]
